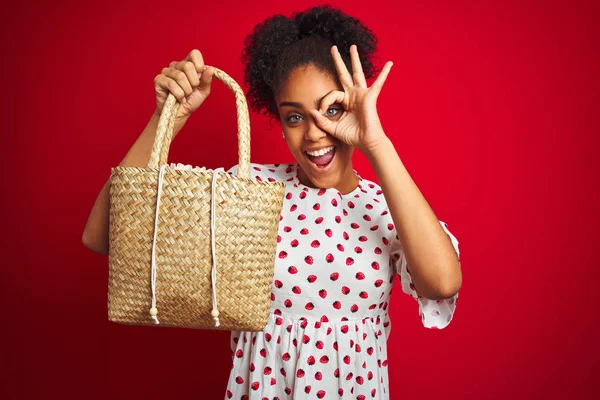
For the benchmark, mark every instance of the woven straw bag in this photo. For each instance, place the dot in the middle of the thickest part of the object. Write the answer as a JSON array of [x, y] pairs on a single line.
[[192, 247]]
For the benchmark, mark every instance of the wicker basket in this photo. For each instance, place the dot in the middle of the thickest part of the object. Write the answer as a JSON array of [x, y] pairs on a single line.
[[192, 247]]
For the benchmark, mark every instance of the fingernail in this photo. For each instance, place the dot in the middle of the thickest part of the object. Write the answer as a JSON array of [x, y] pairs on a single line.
[[184, 100], [199, 75]]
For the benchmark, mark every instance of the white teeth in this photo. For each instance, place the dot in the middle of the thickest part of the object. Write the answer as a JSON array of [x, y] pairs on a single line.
[[320, 152]]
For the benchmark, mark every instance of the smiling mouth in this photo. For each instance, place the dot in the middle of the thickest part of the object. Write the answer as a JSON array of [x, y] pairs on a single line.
[[322, 161]]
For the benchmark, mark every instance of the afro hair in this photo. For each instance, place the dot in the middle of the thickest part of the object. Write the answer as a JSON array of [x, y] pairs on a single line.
[[280, 44]]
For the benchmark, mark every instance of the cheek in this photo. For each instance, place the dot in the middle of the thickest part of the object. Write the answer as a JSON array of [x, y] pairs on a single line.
[[346, 152], [295, 149]]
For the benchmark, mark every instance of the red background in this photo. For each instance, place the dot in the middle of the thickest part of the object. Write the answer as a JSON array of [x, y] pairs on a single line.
[[493, 108]]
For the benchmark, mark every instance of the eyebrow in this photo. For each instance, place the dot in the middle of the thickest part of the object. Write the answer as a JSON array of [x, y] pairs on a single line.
[[299, 105]]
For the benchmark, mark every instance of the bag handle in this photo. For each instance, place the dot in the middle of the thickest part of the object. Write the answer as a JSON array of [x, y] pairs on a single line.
[[166, 126]]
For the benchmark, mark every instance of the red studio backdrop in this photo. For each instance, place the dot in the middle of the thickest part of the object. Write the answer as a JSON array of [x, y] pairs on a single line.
[[492, 106]]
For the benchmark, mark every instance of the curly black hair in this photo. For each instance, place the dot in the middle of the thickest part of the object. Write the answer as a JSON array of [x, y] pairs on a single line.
[[280, 44]]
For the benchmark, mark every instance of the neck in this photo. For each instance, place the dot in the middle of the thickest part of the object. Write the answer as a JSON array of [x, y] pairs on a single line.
[[346, 185]]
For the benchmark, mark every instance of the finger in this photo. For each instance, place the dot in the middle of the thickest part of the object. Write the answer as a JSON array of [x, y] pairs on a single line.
[[343, 74], [189, 69], [170, 85], [196, 57], [335, 96], [323, 122], [378, 84], [206, 78], [357, 71], [180, 77]]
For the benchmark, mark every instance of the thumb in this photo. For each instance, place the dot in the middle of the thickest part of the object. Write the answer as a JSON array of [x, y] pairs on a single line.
[[206, 78], [323, 123]]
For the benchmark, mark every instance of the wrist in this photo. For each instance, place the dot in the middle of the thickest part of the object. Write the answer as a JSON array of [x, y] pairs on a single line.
[[179, 123], [375, 148], [178, 120]]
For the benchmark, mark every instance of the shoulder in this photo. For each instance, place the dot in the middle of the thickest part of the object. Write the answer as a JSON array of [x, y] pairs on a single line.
[[372, 195], [372, 189], [268, 172], [372, 203]]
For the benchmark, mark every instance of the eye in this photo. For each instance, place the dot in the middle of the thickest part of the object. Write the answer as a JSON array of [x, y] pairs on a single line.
[[328, 114], [292, 120]]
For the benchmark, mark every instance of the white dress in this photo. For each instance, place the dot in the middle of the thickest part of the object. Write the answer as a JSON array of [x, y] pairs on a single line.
[[337, 257]]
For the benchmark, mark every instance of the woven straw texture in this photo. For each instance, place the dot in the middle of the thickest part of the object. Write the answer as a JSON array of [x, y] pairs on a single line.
[[246, 218]]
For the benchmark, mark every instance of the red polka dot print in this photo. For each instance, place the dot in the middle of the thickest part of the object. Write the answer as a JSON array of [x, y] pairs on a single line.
[[336, 261]]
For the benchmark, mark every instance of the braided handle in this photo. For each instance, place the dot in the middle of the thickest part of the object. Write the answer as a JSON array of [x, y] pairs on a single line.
[[166, 125]]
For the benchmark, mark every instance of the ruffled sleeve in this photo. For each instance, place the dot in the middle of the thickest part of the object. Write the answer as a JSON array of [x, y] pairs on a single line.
[[435, 314]]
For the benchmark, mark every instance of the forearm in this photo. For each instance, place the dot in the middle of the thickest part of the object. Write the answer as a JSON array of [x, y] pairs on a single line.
[[432, 260], [95, 234]]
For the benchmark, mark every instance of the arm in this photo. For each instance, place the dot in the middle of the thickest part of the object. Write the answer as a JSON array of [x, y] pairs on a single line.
[[434, 264], [95, 234]]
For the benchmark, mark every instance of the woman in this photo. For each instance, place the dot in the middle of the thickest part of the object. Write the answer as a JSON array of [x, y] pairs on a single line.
[[342, 238]]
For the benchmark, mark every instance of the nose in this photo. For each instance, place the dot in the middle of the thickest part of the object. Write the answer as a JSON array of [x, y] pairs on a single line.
[[313, 132]]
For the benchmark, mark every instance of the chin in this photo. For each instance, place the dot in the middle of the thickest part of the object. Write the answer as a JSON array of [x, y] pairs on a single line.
[[325, 182], [329, 175]]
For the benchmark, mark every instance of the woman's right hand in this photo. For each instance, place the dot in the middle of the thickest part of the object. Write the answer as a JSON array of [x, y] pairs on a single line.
[[187, 80]]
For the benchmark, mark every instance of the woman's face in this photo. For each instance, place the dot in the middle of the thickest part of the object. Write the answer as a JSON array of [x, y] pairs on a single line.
[[303, 91]]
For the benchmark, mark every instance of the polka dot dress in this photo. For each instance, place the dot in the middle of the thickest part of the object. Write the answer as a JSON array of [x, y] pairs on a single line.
[[337, 258]]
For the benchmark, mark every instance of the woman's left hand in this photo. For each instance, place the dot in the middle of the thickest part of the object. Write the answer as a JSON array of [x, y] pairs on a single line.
[[359, 125]]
